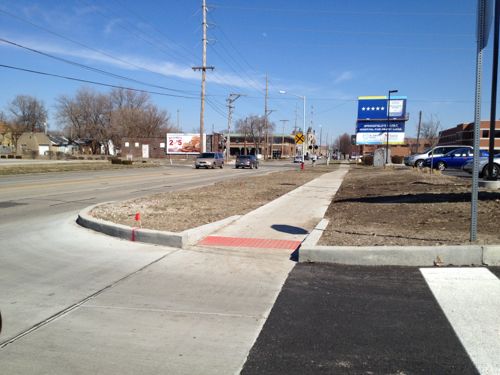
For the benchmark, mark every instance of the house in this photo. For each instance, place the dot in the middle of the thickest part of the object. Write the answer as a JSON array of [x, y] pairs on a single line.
[[34, 144], [61, 144]]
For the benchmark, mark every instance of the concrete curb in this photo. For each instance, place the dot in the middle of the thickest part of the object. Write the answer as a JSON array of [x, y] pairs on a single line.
[[171, 239], [459, 255]]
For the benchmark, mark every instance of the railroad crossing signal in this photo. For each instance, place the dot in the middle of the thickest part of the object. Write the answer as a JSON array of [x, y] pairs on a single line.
[[299, 138]]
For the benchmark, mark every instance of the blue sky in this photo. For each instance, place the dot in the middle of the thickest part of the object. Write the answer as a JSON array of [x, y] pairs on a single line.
[[329, 51]]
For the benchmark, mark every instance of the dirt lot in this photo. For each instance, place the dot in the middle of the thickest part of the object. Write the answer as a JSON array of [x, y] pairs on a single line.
[[177, 211], [408, 207], [372, 207]]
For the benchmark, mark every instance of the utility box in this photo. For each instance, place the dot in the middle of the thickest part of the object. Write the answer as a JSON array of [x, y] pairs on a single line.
[[379, 157]]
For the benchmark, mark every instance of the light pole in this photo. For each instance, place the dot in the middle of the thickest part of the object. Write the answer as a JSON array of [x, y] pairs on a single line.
[[388, 122], [304, 120]]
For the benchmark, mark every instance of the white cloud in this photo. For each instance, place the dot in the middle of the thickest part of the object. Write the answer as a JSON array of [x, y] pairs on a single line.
[[344, 76], [133, 63]]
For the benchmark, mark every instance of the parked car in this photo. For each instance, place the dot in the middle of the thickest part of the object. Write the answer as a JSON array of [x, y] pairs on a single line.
[[454, 159], [417, 160], [483, 166], [247, 161], [297, 159], [210, 160]]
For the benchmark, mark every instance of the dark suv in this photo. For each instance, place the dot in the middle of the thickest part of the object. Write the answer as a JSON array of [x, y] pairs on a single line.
[[247, 161]]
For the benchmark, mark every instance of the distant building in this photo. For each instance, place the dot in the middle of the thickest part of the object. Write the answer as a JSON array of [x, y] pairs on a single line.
[[463, 134], [33, 144]]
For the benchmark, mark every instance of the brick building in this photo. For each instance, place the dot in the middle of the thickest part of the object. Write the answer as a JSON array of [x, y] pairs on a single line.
[[463, 134]]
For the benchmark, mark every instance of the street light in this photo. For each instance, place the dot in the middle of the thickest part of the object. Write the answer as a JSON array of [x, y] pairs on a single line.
[[388, 122], [304, 119]]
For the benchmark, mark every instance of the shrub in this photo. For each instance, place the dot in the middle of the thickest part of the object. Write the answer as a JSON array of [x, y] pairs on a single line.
[[116, 161], [17, 156], [396, 159], [127, 162], [368, 160], [10, 156]]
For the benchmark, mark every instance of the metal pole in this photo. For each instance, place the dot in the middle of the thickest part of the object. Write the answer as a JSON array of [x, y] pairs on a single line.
[[304, 131], [494, 80], [477, 118], [418, 131], [387, 135]]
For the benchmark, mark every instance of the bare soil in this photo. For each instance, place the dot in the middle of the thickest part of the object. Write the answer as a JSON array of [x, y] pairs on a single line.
[[373, 207], [408, 207], [180, 210]]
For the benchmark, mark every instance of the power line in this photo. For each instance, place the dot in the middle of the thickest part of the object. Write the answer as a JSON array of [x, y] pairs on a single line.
[[324, 11], [90, 68], [94, 82], [103, 53]]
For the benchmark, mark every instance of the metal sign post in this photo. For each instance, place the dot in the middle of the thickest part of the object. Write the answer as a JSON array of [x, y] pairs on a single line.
[[483, 10]]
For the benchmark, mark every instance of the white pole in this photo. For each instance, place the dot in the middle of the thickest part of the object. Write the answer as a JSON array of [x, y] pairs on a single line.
[[304, 131]]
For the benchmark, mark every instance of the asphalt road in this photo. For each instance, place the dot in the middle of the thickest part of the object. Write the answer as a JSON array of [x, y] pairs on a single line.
[[332, 319]]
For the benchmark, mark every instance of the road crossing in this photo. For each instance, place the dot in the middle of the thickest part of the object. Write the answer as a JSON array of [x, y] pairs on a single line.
[[336, 319]]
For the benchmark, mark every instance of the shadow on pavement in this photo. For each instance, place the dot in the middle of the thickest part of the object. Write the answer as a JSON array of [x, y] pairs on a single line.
[[289, 229]]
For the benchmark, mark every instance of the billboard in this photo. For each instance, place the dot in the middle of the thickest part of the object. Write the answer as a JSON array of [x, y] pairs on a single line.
[[375, 107], [380, 138], [180, 143], [379, 126]]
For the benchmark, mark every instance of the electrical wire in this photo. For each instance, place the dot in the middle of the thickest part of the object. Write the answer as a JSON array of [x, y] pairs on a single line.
[[94, 82], [96, 70], [103, 53]]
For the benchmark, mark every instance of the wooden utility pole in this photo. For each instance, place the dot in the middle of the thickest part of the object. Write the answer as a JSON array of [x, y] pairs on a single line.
[[265, 121], [283, 137], [203, 69], [230, 100], [418, 130]]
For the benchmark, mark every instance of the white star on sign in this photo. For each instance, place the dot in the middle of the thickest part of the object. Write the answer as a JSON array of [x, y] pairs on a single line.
[[382, 108], [363, 108], [373, 108], [378, 108]]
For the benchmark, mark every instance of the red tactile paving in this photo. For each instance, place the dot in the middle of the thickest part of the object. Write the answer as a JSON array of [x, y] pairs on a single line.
[[261, 243]]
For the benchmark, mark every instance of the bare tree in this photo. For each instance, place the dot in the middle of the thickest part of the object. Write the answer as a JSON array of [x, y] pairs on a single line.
[[121, 113], [430, 129], [134, 115], [343, 144], [255, 127], [28, 114], [86, 116]]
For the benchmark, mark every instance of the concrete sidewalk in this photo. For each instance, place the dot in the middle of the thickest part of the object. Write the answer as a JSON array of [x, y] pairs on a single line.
[[284, 222]]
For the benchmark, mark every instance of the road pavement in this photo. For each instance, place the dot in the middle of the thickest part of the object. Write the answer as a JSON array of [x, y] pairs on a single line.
[[332, 319]]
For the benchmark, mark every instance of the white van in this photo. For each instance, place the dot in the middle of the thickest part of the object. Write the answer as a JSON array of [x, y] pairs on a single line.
[[417, 160]]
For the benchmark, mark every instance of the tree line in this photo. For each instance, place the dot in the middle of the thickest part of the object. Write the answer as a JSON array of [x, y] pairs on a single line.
[[91, 115]]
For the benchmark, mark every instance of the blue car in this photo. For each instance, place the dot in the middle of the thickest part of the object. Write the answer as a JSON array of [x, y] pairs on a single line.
[[454, 159]]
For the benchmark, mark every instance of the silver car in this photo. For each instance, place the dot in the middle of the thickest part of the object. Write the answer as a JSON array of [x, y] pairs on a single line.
[[483, 166], [209, 160]]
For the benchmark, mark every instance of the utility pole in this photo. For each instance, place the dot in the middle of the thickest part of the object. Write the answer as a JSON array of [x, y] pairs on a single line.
[[265, 121], [418, 130], [203, 69], [230, 100], [283, 137], [320, 137], [178, 127]]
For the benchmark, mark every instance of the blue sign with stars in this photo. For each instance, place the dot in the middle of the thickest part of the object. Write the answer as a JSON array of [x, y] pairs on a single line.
[[375, 107], [372, 109]]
